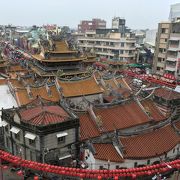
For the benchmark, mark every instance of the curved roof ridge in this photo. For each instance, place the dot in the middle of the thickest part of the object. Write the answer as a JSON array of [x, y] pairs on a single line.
[[41, 116]]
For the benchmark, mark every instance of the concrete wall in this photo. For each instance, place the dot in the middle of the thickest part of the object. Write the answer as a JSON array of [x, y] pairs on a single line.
[[96, 163], [50, 140], [22, 147]]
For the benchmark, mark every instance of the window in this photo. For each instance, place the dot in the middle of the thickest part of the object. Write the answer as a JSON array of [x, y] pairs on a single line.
[[31, 142], [17, 136], [158, 68], [148, 162], [100, 167], [122, 44], [178, 149], [163, 30], [112, 44], [61, 139], [174, 150], [159, 59], [117, 167], [135, 164]]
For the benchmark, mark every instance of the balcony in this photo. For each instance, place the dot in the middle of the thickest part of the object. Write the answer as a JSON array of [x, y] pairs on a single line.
[[160, 64], [162, 55], [86, 45], [174, 37], [163, 46], [172, 57], [104, 53], [115, 47], [165, 25], [164, 36], [173, 47], [125, 55], [170, 67]]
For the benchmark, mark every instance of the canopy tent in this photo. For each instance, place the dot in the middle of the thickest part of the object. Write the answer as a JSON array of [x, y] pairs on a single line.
[[139, 65]]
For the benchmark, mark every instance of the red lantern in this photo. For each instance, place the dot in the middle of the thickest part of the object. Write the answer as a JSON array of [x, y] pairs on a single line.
[[36, 178], [20, 173], [134, 176], [5, 167], [116, 177], [149, 173], [81, 175], [177, 166], [99, 178]]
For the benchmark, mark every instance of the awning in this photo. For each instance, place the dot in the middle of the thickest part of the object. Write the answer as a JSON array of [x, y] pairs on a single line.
[[61, 134], [4, 123], [30, 136], [14, 130], [64, 157]]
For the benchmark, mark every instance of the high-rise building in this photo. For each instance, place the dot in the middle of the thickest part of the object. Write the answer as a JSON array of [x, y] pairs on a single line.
[[91, 25], [167, 52], [174, 12], [151, 36], [119, 23]]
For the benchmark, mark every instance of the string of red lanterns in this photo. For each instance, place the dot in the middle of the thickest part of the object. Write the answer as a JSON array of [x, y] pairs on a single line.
[[150, 79], [86, 173]]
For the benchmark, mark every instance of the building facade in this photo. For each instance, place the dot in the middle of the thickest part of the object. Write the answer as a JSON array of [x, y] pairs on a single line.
[[110, 44], [116, 43], [119, 23], [91, 25], [174, 12], [39, 132], [166, 58]]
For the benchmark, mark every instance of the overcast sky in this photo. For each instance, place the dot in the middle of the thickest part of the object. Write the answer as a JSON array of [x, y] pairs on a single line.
[[139, 14]]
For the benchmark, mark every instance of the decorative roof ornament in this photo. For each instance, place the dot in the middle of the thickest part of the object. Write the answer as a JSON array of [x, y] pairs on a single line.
[[60, 73]]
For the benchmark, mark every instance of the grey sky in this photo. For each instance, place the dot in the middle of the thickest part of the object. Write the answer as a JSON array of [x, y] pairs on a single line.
[[138, 13]]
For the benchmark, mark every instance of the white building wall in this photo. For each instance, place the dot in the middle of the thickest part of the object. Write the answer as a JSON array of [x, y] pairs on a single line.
[[174, 11], [50, 140], [128, 163], [151, 37]]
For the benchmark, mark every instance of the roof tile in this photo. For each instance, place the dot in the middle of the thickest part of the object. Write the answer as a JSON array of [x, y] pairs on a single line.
[[150, 144], [107, 152], [44, 115], [80, 87]]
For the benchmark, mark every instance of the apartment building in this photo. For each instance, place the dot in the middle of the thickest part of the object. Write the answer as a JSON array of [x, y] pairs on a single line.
[[91, 25], [167, 55], [174, 12], [117, 43], [109, 43]]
